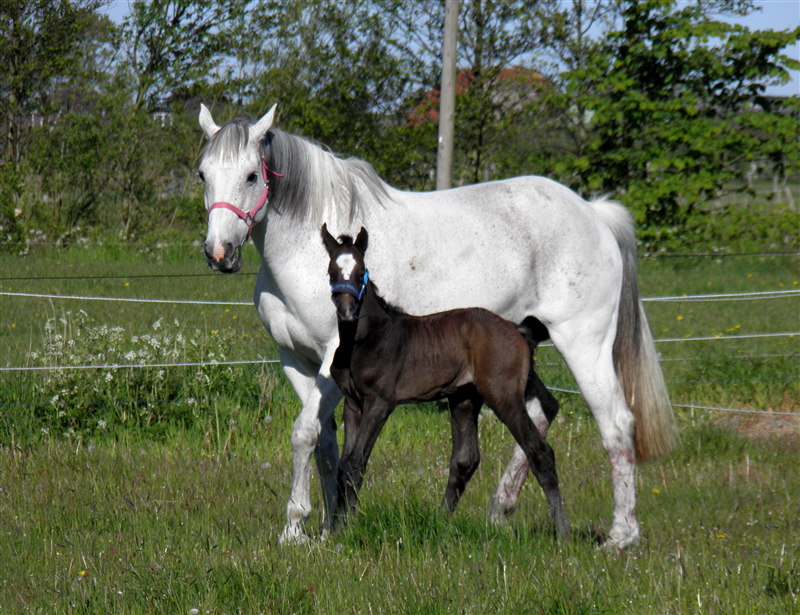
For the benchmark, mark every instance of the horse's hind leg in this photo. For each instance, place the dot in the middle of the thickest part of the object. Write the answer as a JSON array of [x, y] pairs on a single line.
[[594, 372], [465, 456]]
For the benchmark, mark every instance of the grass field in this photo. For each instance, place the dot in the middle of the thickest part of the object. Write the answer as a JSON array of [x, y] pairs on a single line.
[[163, 489]]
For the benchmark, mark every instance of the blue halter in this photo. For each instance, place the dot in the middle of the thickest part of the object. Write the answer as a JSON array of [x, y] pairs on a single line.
[[349, 288]]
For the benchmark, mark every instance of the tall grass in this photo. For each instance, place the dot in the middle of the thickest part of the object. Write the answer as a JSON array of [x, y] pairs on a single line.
[[177, 508]]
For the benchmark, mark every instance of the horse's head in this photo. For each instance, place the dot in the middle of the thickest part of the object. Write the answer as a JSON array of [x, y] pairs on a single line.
[[347, 272], [234, 172]]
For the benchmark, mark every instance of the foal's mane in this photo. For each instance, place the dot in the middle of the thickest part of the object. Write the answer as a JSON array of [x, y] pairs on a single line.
[[306, 182]]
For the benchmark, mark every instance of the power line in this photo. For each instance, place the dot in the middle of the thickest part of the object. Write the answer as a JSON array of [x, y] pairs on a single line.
[[126, 299], [110, 366], [775, 294], [698, 407]]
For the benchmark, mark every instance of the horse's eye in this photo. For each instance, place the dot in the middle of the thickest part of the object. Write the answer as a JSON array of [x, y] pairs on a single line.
[[201, 176], [252, 179]]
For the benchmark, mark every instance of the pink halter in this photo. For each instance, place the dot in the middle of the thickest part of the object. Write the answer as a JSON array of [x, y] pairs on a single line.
[[249, 216]]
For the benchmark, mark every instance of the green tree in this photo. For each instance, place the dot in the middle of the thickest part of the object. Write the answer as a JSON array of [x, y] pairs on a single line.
[[171, 45], [678, 110], [40, 45], [334, 69], [44, 68]]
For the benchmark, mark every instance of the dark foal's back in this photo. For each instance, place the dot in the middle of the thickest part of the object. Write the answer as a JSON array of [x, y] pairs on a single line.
[[433, 356]]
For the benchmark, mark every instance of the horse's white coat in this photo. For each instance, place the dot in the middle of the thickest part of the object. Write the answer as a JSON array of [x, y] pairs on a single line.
[[520, 247]]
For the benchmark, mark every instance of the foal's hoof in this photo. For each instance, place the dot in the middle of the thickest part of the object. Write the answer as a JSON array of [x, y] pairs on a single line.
[[564, 532]]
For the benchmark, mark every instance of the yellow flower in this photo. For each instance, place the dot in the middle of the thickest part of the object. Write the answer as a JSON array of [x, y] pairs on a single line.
[[680, 317], [656, 490], [720, 535]]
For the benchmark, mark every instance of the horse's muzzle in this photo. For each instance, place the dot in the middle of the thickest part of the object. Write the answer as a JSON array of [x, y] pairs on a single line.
[[223, 257]]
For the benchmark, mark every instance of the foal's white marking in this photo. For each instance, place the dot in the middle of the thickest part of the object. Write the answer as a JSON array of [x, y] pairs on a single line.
[[346, 262]]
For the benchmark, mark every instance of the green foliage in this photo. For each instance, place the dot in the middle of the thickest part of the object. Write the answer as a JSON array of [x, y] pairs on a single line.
[[113, 398], [170, 46], [655, 102], [40, 50], [677, 111]]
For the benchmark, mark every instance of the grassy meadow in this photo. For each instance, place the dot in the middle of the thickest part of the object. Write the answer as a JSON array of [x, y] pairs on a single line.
[[163, 489]]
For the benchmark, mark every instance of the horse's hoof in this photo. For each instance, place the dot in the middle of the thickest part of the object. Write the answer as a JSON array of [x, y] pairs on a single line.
[[293, 536], [620, 543], [500, 517]]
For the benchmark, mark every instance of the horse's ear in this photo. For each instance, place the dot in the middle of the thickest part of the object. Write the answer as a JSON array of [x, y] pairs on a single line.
[[362, 240], [259, 129], [207, 122], [329, 240]]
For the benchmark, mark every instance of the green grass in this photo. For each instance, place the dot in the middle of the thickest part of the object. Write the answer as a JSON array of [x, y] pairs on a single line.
[[179, 506]]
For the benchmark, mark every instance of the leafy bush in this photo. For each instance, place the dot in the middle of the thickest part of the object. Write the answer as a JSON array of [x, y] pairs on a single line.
[[87, 399], [736, 227]]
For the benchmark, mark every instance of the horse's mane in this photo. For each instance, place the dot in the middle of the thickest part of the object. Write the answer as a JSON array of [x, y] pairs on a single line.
[[306, 181]]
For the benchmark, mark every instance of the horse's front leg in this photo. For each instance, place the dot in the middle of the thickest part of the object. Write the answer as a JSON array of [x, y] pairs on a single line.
[[313, 432]]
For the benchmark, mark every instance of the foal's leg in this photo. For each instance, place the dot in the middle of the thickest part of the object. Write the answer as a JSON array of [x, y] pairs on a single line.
[[351, 418], [542, 407], [540, 457], [374, 413], [465, 455]]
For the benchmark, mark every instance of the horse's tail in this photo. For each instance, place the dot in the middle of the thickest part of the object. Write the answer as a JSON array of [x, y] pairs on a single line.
[[534, 332], [634, 350]]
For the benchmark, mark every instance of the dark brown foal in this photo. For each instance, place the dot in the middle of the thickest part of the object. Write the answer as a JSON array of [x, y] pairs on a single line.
[[468, 356]]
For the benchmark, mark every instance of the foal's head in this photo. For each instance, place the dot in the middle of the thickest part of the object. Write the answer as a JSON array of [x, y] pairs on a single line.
[[347, 272]]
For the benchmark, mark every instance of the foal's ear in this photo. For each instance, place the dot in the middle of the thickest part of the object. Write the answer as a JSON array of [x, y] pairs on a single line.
[[329, 240], [207, 123], [362, 240]]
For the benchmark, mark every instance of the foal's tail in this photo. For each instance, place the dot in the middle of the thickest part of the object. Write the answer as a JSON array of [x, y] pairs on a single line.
[[634, 351], [534, 332]]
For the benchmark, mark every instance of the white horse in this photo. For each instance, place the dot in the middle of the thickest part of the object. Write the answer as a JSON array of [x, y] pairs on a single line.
[[566, 262]]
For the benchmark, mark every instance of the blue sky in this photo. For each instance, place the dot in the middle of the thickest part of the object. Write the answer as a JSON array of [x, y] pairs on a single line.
[[778, 15], [773, 15]]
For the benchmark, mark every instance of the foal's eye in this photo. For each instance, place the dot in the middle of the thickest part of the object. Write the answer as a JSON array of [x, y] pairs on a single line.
[[252, 179], [201, 176]]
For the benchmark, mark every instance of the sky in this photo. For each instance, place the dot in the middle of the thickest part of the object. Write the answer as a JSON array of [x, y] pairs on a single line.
[[772, 15]]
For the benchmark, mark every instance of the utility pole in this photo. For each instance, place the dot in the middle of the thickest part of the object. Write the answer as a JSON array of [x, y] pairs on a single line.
[[447, 97]]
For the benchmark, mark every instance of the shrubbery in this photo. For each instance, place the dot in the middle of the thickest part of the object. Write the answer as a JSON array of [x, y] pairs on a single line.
[[82, 401]]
